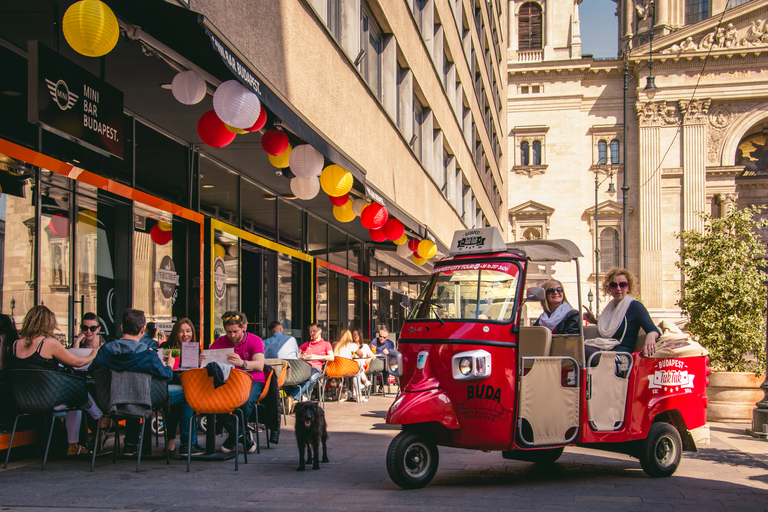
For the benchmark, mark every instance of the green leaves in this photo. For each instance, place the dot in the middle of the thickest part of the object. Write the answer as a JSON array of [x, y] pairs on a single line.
[[723, 293]]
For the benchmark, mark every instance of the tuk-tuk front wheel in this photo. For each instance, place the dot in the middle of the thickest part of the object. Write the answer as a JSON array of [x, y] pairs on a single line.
[[661, 451], [412, 460]]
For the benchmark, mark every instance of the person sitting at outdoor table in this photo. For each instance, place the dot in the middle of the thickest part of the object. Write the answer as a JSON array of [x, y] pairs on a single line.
[[364, 354], [346, 347], [150, 331], [129, 354], [180, 413], [315, 351], [622, 319], [37, 349], [90, 329], [280, 345], [247, 355], [381, 347], [558, 316]]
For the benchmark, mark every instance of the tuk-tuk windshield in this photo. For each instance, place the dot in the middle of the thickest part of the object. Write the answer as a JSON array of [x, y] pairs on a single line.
[[469, 291]]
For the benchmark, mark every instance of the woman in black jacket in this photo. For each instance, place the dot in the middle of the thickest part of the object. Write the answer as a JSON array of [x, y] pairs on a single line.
[[558, 316]]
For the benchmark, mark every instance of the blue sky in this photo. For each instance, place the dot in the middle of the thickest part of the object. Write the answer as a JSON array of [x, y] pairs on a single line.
[[599, 28]]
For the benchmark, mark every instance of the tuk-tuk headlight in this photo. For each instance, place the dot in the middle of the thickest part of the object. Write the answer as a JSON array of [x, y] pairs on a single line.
[[395, 363], [471, 365], [465, 365]]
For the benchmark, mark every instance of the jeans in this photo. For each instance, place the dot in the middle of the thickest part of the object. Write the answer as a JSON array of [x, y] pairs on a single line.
[[229, 421], [75, 418], [180, 413], [305, 387]]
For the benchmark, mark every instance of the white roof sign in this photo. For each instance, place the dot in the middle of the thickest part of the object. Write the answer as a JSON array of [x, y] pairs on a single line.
[[477, 241]]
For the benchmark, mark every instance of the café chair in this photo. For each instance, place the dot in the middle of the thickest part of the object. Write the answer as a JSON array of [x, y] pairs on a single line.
[[43, 392], [340, 368], [203, 398], [375, 372]]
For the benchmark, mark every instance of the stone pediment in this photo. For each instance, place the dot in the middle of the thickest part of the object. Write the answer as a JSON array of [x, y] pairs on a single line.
[[743, 30], [531, 209], [607, 209]]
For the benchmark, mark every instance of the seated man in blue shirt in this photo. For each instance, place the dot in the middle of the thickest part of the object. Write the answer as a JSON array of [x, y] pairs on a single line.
[[280, 345], [381, 347]]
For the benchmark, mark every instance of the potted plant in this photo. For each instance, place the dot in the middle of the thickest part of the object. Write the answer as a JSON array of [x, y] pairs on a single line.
[[724, 298]]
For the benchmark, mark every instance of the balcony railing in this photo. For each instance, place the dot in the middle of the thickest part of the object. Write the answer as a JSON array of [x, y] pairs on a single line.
[[530, 55]]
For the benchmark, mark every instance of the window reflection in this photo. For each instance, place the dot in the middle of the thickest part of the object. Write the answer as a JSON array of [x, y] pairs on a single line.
[[226, 277]]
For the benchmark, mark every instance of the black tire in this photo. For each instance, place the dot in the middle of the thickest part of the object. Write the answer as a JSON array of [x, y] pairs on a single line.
[[661, 451], [412, 460], [202, 423], [542, 457]]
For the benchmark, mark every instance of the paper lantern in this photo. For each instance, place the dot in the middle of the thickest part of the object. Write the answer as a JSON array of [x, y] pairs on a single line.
[[87, 221], [358, 205], [419, 261], [159, 236], [413, 244], [338, 201], [403, 251], [377, 235], [90, 27], [236, 105], [59, 226], [305, 189], [212, 130], [188, 87], [374, 216], [274, 142], [237, 131], [394, 229], [306, 162], [219, 251], [281, 161], [427, 249], [165, 226], [233, 250], [336, 181], [260, 122], [344, 212], [403, 240]]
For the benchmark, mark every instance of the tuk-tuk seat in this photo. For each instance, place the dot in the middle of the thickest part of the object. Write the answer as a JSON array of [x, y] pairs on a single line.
[[534, 341]]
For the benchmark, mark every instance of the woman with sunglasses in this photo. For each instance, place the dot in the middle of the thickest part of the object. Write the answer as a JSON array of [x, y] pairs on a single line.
[[89, 337], [623, 317], [558, 316]]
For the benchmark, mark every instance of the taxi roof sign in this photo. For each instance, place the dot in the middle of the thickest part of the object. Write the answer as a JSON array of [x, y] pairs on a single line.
[[477, 241]]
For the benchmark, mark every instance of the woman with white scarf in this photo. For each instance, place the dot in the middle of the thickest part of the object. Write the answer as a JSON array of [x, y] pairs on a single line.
[[558, 316], [622, 319]]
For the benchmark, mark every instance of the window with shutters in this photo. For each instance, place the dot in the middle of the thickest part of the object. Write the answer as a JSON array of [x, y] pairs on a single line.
[[529, 27]]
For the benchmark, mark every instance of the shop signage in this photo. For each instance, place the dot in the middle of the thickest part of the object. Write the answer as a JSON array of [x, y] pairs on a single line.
[[70, 101], [235, 65], [166, 275], [219, 278]]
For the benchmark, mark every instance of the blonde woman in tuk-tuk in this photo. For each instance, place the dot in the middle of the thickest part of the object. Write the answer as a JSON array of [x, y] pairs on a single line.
[[558, 316]]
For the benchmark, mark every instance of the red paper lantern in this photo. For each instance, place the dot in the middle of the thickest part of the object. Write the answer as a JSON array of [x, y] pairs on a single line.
[[373, 216], [339, 200], [274, 142], [394, 229], [59, 226], [377, 235], [260, 122], [213, 131], [413, 244], [159, 236]]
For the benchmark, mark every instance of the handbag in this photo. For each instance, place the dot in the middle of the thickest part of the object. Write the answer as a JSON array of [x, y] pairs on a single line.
[[298, 372], [602, 343], [376, 366]]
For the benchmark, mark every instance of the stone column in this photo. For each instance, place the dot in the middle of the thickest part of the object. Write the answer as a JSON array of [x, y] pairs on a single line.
[[628, 15], [512, 26], [694, 139], [662, 18], [549, 21]]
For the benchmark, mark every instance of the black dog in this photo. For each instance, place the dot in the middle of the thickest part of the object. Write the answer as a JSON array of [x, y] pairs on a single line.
[[310, 430]]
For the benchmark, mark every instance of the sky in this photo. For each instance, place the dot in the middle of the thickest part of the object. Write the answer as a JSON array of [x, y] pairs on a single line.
[[599, 28]]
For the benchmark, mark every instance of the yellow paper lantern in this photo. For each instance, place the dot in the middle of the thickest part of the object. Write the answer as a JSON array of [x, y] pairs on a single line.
[[165, 226], [427, 248], [219, 251], [90, 27], [336, 181], [403, 239], [344, 213], [419, 261], [86, 222], [281, 161], [233, 129]]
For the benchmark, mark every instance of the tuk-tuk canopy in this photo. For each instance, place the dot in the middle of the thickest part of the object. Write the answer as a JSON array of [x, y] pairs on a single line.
[[547, 250]]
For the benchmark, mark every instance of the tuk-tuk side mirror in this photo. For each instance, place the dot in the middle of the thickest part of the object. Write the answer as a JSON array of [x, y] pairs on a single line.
[[406, 302], [536, 293]]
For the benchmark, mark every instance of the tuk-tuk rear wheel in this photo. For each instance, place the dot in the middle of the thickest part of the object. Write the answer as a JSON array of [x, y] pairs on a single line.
[[412, 460], [662, 450]]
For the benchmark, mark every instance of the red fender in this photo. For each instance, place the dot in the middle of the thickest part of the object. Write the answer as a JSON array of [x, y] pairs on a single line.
[[423, 407]]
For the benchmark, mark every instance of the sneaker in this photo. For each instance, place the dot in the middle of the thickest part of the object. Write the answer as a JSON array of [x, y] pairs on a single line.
[[304, 398], [229, 444], [130, 449], [248, 443], [196, 450]]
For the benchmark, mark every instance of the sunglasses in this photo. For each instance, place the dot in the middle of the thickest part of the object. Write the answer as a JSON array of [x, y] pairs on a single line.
[[558, 289], [236, 318], [92, 328], [621, 285], [382, 337]]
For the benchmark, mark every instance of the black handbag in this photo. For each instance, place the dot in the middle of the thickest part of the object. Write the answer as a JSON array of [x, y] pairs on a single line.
[[298, 372], [376, 366]]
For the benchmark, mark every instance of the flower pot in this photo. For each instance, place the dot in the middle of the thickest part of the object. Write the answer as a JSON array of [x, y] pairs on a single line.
[[732, 396]]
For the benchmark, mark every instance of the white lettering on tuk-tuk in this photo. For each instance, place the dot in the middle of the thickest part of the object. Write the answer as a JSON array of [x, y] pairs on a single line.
[[670, 379]]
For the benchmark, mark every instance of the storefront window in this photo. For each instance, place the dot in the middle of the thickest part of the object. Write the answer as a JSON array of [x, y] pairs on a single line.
[[285, 307], [337, 247], [322, 300], [258, 213], [162, 165], [317, 235], [219, 192], [289, 224], [226, 276]]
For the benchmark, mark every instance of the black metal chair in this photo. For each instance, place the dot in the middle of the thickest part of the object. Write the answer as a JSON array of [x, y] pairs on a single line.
[[160, 401], [39, 392]]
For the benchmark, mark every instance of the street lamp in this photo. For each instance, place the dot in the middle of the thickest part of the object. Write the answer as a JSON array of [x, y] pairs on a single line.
[[611, 190], [590, 296]]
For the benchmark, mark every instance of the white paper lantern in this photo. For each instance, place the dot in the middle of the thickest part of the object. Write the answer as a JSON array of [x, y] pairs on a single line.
[[233, 251], [236, 105], [358, 205], [188, 87], [306, 162], [305, 189], [403, 251]]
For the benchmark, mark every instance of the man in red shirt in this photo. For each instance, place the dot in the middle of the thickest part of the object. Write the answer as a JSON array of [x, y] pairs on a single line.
[[314, 352]]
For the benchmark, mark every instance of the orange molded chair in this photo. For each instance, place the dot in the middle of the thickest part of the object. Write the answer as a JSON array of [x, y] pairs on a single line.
[[203, 398], [340, 368], [280, 384]]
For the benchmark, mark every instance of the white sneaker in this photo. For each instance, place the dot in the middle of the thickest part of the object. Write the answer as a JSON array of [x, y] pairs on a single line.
[[304, 398]]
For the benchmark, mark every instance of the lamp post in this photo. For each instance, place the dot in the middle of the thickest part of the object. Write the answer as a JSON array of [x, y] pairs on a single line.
[[611, 190], [590, 296]]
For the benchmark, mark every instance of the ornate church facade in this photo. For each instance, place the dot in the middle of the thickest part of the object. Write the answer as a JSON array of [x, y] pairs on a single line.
[[696, 142]]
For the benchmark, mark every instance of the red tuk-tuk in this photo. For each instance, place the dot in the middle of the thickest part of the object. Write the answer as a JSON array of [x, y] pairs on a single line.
[[472, 377]]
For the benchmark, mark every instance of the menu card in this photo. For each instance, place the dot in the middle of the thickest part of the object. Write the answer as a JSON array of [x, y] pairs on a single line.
[[189, 355]]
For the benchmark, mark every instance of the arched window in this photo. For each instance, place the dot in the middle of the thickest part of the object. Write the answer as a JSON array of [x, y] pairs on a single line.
[[696, 10], [529, 27], [537, 152], [602, 152], [531, 234], [614, 151], [609, 249], [524, 155]]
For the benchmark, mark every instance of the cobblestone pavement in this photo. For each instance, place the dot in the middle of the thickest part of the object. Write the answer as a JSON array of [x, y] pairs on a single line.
[[730, 473]]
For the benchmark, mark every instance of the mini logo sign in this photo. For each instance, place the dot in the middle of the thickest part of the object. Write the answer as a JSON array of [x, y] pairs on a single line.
[[169, 281], [421, 360], [471, 242], [671, 375], [219, 278], [61, 94]]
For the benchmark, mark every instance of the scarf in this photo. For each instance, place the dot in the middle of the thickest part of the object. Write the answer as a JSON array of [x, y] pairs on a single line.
[[612, 317], [550, 321]]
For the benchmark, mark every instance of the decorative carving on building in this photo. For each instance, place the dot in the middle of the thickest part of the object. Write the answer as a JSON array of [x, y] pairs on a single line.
[[756, 34], [651, 113], [721, 117], [530, 170], [694, 111]]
